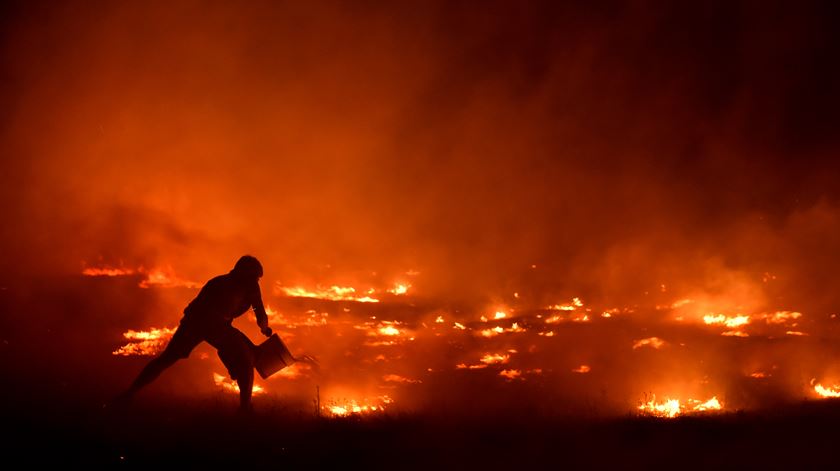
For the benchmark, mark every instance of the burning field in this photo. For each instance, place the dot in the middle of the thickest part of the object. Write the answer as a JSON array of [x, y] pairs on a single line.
[[619, 219]]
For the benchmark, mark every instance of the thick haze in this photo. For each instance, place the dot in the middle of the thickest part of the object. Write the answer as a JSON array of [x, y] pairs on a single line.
[[469, 141], [493, 147]]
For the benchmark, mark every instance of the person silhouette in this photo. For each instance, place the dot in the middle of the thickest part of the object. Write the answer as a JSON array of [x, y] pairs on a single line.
[[208, 318]]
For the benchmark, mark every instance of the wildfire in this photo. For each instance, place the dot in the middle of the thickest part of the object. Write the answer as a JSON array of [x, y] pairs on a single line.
[[832, 391], [155, 277], [229, 385], [107, 271], [332, 293], [582, 369], [144, 342], [652, 342], [495, 358], [731, 322], [671, 408], [576, 303], [511, 374], [347, 407], [400, 289]]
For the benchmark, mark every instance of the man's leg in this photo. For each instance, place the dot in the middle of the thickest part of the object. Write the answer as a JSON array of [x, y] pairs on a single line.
[[237, 354], [179, 346]]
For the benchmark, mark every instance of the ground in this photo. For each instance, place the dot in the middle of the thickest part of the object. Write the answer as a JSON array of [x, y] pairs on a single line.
[[207, 433]]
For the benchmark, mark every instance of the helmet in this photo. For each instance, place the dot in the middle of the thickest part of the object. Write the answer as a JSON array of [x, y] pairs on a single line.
[[248, 266]]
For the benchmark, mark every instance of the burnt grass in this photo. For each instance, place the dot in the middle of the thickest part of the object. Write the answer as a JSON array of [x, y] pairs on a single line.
[[208, 434]]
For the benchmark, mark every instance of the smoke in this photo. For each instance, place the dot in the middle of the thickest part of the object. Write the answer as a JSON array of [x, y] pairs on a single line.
[[630, 153]]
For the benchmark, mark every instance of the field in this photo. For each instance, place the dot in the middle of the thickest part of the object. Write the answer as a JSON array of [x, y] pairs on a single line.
[[206, 433]]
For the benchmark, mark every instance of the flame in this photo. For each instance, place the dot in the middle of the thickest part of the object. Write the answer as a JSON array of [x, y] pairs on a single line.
[[576, 303], [653, 342], [332, 293], [499, 315], [711, 404], [155, 277], [144, 342], [347, 407], [731, 322], [832, 391], [107, 271], [399, 289], [494, 358], [511, 374], [229, 385], [782, 317], [582, 369], [671, 408], [392, 378]]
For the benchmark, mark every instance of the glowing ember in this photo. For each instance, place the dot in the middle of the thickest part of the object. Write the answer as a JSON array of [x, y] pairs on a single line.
[[582, 369], [399, 289], [107, 271], [653, 342], [782, 317], [392, 378], [230, 386], [494, 358], [576, 303], [499, 315], [511, 374], [145, 342], [735, 333]]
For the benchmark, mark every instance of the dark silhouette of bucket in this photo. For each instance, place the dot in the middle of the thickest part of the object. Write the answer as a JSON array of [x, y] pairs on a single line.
[[272, 356]]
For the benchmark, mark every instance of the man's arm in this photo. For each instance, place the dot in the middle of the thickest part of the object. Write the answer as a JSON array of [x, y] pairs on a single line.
[[259, 310]]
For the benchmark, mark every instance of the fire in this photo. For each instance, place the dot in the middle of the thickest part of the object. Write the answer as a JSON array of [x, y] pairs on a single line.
[[653, 342], [155, 277], [230, 386], [501, 330], [782, 317], [145, 342], [711, 404], [494, 358], [107, 271], [576, 303], [400, 289], [582, 369], [832, 391], [671, 408], [511, 374], [347, 407], [332, 293], [393, 378], [731, 322]]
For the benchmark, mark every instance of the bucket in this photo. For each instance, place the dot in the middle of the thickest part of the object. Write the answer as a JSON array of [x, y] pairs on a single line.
[[272, 356]]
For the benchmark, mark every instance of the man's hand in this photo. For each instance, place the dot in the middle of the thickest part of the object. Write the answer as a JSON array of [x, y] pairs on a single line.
[[266, 331]]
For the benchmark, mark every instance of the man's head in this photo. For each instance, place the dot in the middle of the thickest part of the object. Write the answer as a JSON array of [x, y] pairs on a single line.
[[248, 267]]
